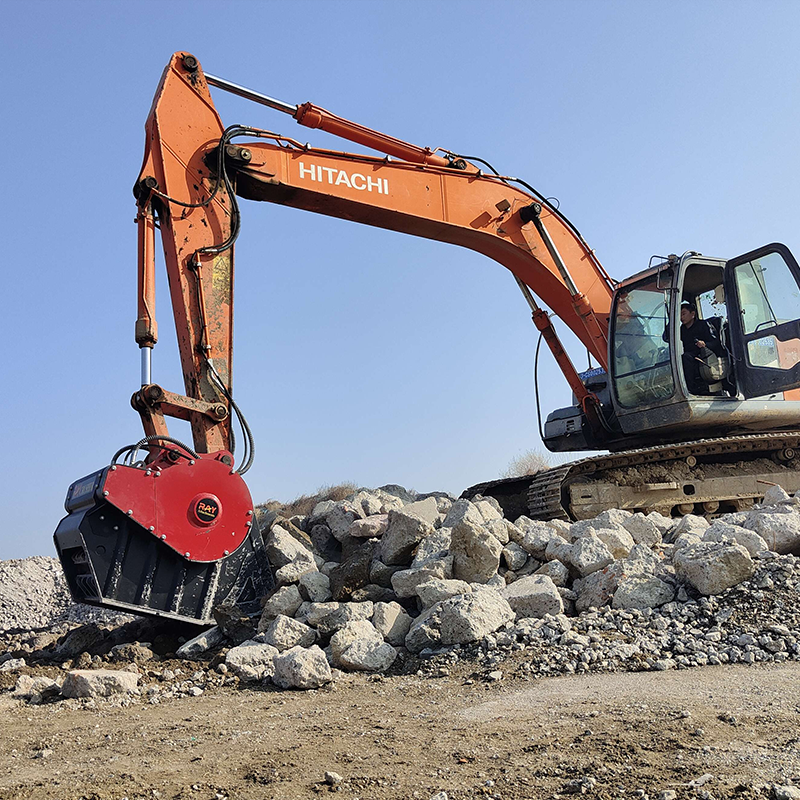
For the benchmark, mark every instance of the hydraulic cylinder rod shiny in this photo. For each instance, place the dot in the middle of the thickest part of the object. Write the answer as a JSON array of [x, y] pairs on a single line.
[[249, 94], [147, 377]]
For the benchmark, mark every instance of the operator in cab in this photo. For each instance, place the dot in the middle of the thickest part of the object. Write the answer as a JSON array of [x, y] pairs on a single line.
[[696, 335]]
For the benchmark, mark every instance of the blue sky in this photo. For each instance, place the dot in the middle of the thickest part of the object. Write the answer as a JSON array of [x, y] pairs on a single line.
[[362, 354]]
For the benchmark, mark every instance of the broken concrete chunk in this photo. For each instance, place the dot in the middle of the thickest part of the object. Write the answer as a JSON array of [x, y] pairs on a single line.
[[251, 661], [284, 633], [301, 668], [99, 683], [712, 567], [201, 643], [403, 534], [392, 622], [533, 596], [476, 553]]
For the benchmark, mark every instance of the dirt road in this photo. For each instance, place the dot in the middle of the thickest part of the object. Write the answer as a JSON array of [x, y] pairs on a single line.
[[709, 733]]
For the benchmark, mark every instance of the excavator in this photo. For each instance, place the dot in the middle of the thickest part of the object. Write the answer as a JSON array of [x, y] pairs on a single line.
[[169, 529]]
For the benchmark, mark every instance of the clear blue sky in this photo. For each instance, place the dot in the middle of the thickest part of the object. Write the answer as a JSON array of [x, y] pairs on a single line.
[[362, 354]]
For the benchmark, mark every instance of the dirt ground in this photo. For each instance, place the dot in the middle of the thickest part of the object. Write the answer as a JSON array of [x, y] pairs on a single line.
[[708, 733]]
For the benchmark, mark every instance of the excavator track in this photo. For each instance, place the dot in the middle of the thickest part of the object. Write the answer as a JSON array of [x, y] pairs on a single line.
[[707, 477]]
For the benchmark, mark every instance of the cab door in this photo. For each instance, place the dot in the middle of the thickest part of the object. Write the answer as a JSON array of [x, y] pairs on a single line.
[[762, 289]]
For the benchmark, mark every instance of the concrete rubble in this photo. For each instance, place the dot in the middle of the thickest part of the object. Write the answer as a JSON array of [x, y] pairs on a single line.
[[390, 581]]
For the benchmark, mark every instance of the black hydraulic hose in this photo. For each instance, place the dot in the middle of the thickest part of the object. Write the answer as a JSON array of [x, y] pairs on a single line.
[[142, 443], [536, 385]]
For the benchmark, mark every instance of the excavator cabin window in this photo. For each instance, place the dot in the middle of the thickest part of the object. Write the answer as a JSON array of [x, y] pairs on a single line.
[[640, 353], [704, 289]]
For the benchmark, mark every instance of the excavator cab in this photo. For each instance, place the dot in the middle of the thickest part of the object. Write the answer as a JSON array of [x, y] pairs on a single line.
[[750, 308]]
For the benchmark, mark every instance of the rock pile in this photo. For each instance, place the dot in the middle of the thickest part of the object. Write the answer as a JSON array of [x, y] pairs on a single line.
[[386, 580]]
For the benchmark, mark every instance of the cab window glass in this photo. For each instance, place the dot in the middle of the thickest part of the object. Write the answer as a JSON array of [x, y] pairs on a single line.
[[768, 293], [641, 354]]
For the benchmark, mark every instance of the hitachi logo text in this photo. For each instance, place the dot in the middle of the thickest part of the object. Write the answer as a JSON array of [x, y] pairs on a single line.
[[338, 177]]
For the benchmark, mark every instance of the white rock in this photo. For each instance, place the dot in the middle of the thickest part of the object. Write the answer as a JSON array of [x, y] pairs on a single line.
[[251, 661], [283, 548], [613, 518], [556, 571], [403, 534], [370, 528], [712, 567], [29, 686], [514, 556], [536, 536], [427, 509], [691, 524], [644, 530], [284, 633], [436, 545], [459, 620], [341, 517], [406, 581], [488, 510], [434, 591], [533, 596], [392, 622], [588, 554], [720, 531], [775, 495], [460, 511], [285, 600], [360, 646], [99, 683], [686, 539], [476, 553], [327, 623], [598, 588], [12, 665], [641, 591], [781, 531], [558, 549], [664, 524], [617, 540], [299, 668], [499, 529]]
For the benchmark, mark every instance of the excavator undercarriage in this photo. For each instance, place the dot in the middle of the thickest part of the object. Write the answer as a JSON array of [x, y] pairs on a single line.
[[708, 477]]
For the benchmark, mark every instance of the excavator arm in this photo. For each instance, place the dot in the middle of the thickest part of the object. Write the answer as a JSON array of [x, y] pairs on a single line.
[[193, 171]]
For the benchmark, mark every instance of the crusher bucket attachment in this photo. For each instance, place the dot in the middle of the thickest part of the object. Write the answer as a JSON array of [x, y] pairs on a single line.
[[174, 538]]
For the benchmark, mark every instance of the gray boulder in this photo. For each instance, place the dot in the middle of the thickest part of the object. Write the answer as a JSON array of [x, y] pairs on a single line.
[[721, 531], [459, 620], [284, 633], [643, 530], [359, 646], [781, 531], [405, 582], [403, 534], [99, 683], [460, 511], [371, 527], [285, 600], [476, 553], [435, 590], [533, 596], [712, 567], [589, 554], [392, 622], [301, 668], [556, 571], [201, 643], [251, 660], [642, 591]]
